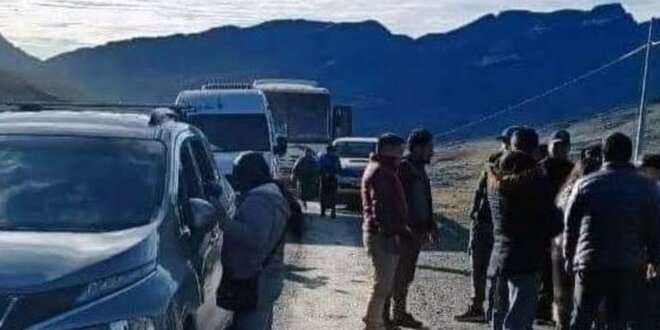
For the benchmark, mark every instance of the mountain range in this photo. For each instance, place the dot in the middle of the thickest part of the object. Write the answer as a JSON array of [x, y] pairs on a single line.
[[393, 81]]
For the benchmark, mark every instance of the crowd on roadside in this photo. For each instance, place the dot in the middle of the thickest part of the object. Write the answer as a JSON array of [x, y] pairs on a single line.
[[574, 246]]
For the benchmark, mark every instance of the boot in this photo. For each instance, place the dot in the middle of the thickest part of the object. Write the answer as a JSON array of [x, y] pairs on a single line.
[[401, 317]]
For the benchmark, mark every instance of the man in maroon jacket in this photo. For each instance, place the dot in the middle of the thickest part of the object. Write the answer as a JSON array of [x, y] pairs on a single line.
[[384, 216]]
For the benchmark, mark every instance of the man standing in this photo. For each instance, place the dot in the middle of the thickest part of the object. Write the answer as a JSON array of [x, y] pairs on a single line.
[[384, 215], [481, 238], [558, 168], [523, 219], [611, 235], [329, 166], [417, 189]]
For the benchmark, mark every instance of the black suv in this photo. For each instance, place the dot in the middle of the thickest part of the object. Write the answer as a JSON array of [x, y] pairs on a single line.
[[108, 221]]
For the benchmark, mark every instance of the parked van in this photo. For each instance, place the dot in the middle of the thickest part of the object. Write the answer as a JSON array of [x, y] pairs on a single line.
[[235, 118]]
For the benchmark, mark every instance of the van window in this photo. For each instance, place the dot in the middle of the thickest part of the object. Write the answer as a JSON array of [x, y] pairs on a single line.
[[234, 132]]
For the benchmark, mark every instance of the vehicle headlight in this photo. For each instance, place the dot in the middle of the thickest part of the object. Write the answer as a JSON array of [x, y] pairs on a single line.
[[105, 286], [132, 324]]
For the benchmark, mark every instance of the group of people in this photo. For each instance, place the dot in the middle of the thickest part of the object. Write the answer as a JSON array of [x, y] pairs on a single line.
[[397, 220], [312, 175], [569, 245]]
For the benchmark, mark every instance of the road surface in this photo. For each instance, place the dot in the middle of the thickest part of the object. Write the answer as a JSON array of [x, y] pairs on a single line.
[[327, 279]]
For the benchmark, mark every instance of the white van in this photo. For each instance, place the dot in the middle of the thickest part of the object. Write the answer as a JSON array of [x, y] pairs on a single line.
[[234, 118]]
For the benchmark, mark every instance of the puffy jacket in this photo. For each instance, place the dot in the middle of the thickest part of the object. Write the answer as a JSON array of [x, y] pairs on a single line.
[[417, 189], [383, 199], [257, 231], [612, 219], [524, 215], [480, 205]]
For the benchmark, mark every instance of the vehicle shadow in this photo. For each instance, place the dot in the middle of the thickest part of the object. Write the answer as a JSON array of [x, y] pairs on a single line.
[[297, 274]]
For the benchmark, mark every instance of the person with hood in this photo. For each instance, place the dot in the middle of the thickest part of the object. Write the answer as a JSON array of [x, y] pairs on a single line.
[[523, 214], [329, 167], [253, 250], [419, 201], [384, 225], [558, 167], [481, 240], [305, 176], [563, 282], [611, 235]]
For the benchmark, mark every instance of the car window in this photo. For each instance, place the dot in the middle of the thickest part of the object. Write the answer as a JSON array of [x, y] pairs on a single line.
[[203, 164], [87, 184]]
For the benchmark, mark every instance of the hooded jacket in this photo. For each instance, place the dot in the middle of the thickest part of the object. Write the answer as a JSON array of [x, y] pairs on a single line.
[[523, 213], [258, 230], [612, 220]]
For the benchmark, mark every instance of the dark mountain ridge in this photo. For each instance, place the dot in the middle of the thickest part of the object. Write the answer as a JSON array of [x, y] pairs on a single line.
[[394, 81]]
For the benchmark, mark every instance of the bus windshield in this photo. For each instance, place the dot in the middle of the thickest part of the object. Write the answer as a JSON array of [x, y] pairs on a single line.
[[301, 117], [234, 132]]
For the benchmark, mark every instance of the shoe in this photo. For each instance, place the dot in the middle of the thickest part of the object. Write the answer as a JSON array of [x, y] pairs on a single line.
[[407, 321], [390, 325], [472, 315]]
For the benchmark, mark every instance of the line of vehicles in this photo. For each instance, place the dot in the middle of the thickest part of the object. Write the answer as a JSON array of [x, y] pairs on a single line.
[[108, 214]]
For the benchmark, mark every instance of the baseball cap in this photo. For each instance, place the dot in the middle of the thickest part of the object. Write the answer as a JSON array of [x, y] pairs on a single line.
[[561, 136], [508, 132]]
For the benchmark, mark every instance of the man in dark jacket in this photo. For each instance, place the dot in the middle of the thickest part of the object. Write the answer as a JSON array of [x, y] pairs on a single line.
[[523, 219], [611, 235], [384, 223], [329, 167], [417, 188], [481, 238], [558, 168], [305, 176]]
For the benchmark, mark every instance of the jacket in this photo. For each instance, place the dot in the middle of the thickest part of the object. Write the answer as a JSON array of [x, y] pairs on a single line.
[[383, 200], [524, 216], [329, 164], [480, 205], [419, 201], [612, 219], [257, 230], [558, 171]]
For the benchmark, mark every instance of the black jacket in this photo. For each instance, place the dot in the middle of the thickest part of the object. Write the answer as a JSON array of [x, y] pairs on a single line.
[[524, 215], [612, 220], [417, 188]]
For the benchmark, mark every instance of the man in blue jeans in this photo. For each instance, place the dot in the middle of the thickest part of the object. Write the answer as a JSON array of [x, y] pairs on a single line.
[[524, 218]]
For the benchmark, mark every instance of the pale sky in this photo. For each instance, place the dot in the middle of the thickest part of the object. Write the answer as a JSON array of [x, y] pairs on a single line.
[[47, 27]]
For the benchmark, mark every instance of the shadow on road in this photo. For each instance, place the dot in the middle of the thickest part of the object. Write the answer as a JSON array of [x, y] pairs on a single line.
[[455, 271], [296, 274], [454, 237]]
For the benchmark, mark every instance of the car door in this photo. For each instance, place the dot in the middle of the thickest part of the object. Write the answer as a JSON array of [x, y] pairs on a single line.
[[209, 315]]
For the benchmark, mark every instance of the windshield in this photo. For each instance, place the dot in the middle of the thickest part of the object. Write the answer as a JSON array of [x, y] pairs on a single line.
[[50, 183], [234, 132], [301, 117], [355, 149]]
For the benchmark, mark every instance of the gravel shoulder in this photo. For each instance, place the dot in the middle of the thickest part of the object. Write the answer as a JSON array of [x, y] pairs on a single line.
[[327, 282]]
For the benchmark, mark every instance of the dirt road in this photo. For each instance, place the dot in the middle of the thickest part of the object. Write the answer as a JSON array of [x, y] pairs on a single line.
[[327, 279]]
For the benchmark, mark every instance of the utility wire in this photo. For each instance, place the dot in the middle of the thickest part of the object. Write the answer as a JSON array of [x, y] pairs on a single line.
[[546, 93]]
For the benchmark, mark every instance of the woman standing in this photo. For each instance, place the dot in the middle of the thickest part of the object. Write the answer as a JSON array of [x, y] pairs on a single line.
[[253, 251]]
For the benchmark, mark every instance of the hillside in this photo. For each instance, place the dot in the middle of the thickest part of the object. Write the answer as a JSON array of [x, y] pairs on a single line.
[[455, 171], [395, 82], [13, 88]]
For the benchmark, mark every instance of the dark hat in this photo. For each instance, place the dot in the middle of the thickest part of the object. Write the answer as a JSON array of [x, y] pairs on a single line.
[[561, 136], [525, 140], [507, 133]]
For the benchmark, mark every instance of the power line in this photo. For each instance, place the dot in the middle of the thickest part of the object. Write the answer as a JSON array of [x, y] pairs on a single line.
[[547, 92]]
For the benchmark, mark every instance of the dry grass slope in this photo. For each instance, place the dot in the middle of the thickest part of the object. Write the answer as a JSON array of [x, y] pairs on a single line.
[[455, 171]]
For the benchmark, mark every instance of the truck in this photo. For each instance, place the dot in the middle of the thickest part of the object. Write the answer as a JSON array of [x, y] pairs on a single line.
[[304, 114], [235, 118]]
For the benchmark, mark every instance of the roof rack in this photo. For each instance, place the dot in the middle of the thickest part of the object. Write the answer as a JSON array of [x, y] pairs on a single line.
[[310, 83], [230, 85], [75, 106]]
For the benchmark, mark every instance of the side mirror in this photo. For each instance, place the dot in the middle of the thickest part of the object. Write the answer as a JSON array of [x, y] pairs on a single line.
[[281, 146], [204, 214]]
